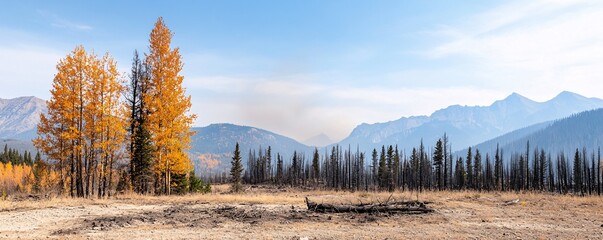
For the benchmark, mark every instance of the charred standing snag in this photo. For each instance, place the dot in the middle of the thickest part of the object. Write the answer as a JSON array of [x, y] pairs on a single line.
[[411, 207]]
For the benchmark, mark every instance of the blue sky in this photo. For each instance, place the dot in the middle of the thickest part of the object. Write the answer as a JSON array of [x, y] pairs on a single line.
[[301, 68]]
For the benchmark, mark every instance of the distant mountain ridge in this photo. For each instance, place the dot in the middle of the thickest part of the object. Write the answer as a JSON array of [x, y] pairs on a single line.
[[469, 125], [222, 137], [20, 116], [582, 130], [216, 142]]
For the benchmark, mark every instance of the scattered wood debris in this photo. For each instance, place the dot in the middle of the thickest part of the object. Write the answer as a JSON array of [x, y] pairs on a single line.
[[410, 207]]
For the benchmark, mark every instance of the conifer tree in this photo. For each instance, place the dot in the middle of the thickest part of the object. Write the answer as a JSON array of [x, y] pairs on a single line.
[[577, 172], [446, 159], [279, 169], [390, 168], [315, 166], [236, 170], [438, 158], [469, 160], [460, 174], [375, 166], [396, 168], [140, 143], [497, 169], [477, 170], [382, 169]]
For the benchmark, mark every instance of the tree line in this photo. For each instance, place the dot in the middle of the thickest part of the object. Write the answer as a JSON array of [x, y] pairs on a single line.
[[104, 134], [20, 173], [436, 168], [15, 158]]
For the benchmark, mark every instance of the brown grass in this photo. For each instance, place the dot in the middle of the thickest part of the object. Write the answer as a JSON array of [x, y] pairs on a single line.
[[221, 194], [272, 213]]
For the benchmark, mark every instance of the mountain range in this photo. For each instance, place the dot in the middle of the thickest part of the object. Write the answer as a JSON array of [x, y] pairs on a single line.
[[510, 122], [469, 125], [215, 143], [581, 130], [20, 116]]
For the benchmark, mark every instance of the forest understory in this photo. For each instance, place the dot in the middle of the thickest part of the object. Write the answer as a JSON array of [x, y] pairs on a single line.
[[267, 212]]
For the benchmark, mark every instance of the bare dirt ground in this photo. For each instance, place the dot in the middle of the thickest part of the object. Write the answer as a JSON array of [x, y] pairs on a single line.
[[268, 213]]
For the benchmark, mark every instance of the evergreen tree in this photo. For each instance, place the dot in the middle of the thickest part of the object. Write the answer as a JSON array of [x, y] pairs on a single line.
[[140, 145], [577, 172], [40, 172], [469, 168], [196, 185], [375, 166], [382, 169], [497, 169], [526, 168], [293, 176], [438, 158], [477, 170], [315, 166], [236, 170], [460, 174], [279, 168], [268, 165], [422, 168], [27, 158], [599, 187], [414, 163], [488, 178], [390, 168], [542, 170], [396, 168], [142, 175], [5, 157], [447, 165]]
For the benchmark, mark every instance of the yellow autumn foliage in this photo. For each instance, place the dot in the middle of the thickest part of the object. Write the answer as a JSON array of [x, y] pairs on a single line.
[[169, 121]]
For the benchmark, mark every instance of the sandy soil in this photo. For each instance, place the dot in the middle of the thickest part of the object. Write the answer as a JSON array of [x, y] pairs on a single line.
[[283, 215]]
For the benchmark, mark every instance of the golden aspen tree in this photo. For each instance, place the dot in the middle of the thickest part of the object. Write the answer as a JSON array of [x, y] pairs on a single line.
[[83, 124], [93, 115], [104, 124], [113, 123], [58, 131], [9, 173], [169, 119]]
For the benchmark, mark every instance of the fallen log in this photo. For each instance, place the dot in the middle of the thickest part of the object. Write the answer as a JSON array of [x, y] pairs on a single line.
[[396, 207], [512, 202]]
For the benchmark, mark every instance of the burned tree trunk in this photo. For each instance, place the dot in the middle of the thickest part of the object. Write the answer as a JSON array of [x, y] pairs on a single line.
[[411, 207]]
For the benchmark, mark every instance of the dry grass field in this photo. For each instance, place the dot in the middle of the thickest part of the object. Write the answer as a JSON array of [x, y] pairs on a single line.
[[269, 213]]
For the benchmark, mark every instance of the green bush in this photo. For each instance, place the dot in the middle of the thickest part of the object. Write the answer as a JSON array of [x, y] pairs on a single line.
[[196, 185]]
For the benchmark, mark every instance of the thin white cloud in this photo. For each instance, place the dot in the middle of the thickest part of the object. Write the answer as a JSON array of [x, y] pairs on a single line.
[[541, 47], [59, 22]]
